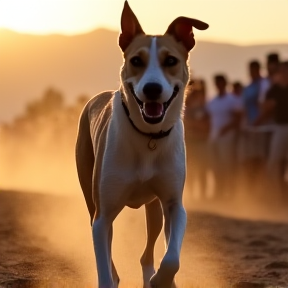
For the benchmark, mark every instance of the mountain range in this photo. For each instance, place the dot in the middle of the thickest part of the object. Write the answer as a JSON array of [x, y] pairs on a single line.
[[89, 63]]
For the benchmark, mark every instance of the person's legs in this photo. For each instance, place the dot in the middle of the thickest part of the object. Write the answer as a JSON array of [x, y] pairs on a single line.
[[227, 157], [242, 158], [202, 168], [253, 163], [189, 183], [278, 151], [215, 166]]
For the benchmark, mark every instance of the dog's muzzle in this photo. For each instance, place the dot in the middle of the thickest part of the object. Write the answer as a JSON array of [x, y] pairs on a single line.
[[153, 112]]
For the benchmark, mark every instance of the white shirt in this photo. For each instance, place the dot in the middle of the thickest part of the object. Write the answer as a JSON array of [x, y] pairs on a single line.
[[264, 87], [221, 110]]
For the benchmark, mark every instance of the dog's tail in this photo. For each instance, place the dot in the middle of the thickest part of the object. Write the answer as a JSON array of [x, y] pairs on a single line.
[[85, 160]]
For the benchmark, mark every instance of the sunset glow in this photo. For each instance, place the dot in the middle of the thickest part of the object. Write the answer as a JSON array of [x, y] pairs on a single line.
[[237, 21]]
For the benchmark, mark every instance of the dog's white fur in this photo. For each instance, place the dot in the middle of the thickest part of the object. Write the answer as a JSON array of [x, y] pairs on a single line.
[[154, 73], [117, 169]]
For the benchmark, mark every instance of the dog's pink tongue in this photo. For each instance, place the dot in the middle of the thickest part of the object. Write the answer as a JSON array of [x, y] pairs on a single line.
[[153, 109]]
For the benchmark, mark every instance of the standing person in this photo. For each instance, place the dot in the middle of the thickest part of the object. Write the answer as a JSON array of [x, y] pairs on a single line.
[[272, 63], [276, 104], [225, 114], [252, 150], [196, 134], [237, 89]]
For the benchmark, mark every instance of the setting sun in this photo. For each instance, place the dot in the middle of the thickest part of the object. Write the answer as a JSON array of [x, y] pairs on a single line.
[[240, 22]]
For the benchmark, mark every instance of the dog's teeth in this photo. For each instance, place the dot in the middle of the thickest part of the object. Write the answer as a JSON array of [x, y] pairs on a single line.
[[153, 109]]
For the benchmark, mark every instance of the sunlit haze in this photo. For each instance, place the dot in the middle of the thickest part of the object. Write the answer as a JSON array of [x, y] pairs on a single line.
[[233, 21], [54, 57]]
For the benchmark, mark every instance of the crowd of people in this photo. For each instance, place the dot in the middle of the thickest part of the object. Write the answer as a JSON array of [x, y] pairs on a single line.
[[240, 136]]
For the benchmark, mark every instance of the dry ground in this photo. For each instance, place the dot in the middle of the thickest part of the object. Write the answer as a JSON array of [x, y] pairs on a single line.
[[45, 242]]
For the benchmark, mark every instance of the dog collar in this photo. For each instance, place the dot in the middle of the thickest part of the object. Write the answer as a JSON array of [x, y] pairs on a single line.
[[152, 144]]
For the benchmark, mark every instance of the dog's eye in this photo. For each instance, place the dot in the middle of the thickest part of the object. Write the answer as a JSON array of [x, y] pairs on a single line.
[[170, 61], [137, 61]]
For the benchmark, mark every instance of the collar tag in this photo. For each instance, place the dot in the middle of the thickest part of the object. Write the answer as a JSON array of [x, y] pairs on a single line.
[[152, 144]]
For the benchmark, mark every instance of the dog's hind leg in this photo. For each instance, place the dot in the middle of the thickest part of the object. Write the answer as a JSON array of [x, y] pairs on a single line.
[[154, 222], [85, 161]]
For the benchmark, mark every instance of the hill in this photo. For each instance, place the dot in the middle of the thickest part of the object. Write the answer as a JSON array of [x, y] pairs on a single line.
[[90, 63]]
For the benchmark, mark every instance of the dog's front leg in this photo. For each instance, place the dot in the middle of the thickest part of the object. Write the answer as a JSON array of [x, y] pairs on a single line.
[[110, 205], [101, 229], [175, 224]]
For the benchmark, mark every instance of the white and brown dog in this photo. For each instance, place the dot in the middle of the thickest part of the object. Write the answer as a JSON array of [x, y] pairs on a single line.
[[130, 149]]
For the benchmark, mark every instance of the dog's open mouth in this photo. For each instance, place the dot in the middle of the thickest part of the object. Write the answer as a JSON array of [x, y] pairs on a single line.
[[153, 112]]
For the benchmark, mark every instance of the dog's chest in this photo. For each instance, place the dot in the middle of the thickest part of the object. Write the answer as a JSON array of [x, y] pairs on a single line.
[[145, 167], [146, 170]]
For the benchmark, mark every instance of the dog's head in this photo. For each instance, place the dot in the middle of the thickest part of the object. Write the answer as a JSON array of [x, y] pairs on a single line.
[[155, 70]]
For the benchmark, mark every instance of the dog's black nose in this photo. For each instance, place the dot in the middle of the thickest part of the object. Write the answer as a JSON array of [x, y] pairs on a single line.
[[152, 90]]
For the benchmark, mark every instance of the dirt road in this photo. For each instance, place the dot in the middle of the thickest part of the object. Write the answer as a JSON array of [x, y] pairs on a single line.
[[45, 241]]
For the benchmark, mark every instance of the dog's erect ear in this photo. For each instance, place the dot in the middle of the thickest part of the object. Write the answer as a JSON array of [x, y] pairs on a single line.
[[130, 27], [181, 29]]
